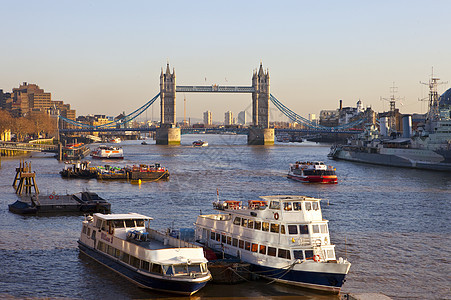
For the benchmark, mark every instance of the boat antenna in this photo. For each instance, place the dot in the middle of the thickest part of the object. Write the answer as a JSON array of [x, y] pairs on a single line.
[[217, 194]]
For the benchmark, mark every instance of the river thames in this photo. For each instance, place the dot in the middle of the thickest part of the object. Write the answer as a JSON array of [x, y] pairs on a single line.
[[392, 224]]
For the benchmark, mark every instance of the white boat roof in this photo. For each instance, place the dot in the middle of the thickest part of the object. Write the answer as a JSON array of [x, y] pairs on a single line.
[[289, 198], [121, 216]]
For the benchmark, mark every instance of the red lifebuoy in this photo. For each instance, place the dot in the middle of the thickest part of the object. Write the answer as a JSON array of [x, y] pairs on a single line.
[[276, 216], [57, 197], [316, 258], [51, 197]]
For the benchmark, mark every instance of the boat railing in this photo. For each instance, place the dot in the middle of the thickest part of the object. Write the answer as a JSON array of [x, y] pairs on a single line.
[[169, 240]]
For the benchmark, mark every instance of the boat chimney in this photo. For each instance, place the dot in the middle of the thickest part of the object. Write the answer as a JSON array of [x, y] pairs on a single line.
[[384, 126], [341, 104], [406, 126]]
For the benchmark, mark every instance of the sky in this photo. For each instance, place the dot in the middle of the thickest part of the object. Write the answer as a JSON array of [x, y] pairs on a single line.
[[105, 57]]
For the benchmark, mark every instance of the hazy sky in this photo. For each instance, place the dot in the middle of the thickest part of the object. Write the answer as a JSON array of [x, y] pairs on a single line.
[[105, 57]]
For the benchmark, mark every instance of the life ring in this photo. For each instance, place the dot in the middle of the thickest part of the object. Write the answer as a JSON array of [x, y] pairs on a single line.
[[57, 197], [316, 258], [276, 216], [51, 197]]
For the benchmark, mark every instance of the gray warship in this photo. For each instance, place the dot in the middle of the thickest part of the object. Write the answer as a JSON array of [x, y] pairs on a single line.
[[428, 147]]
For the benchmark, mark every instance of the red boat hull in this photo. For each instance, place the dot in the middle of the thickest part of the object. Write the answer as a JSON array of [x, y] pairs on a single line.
[[315, 179]]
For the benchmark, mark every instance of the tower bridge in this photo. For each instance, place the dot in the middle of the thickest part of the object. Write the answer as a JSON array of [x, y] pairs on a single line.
[[259, 133]]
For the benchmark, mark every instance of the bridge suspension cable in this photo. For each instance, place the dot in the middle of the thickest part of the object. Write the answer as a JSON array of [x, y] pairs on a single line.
[[298, 118], [133, 115]]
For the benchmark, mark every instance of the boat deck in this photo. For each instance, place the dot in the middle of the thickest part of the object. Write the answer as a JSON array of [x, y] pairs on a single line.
[[151, 244]]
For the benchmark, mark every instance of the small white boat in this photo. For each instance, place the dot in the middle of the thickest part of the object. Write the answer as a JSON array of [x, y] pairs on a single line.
[[126, 244], [200, 143], [115, 140], [108, 152], [283, 238]]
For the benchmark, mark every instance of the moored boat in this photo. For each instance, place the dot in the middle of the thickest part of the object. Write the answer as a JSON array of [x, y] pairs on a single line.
[[200, 143], [284, 238], [126, 244], [74, 151], [108, 152], [78, 169], [314, 171]]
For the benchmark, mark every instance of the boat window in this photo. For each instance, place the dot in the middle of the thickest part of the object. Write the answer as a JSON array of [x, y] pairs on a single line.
[[229, 240], [303, 229], [298, 254], [244, 222], [195, 268], [117, 253], [180, 269], [223, 239], [203, 268], [308, 254], [118, 223], [140, 223], [247, 246], [218, 237], [282, 229], [254, 247], [330, 254], [275, 205], [145, 265], [308, 205], [84, 229], [125, 257], [235, 242], [292, 229], [250, 224], [323, 228], [262, 249], [93, 235], [101, 246], [315, 228], [258, 225], [241, 244], [89, 232], [212, 235], [265, 226], [129, 223], [237, 221], [134, 261], [297, 206], [104, 226], [284, 254], [168, 270], [275, 228], [287, 206], [272, 251], [315, 205], [156, 268]]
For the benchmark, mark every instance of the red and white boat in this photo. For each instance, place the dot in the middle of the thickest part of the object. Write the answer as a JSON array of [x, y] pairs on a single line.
[[312, 171], [108, 152]]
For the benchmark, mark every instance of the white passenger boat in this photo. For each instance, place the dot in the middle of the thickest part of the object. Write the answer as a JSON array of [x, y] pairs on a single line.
[[284, 238], [126, 244], [108, 152], [312, 171]]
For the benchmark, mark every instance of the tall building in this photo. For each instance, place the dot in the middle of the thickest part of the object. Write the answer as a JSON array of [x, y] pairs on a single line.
[[207, 118], [228, 119], [242, 118], [260, 98]]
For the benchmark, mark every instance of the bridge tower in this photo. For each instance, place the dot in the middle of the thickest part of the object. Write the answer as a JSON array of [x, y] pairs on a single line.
[[260, 133], [167, 134]]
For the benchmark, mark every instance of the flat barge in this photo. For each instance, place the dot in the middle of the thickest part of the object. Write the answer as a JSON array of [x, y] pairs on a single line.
[[82, 202]]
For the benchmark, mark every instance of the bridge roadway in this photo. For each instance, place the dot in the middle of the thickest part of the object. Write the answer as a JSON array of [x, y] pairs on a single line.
[[211, 130], [214, 89], [28, 147]]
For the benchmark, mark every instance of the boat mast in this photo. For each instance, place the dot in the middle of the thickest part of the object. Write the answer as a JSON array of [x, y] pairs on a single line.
[[433, 112]]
